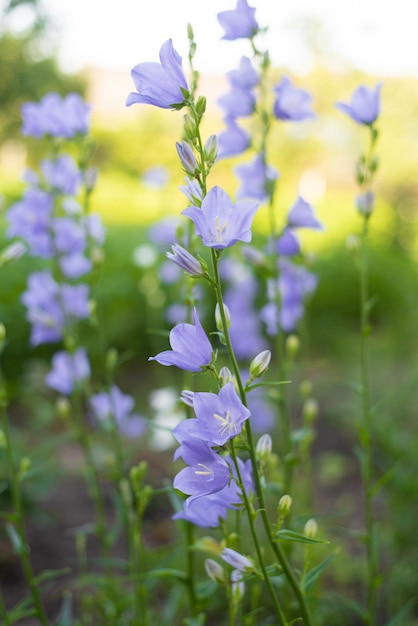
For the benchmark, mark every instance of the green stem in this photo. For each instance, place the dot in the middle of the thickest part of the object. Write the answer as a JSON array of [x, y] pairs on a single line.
[[191, 575], [19, 512], [3, 612]]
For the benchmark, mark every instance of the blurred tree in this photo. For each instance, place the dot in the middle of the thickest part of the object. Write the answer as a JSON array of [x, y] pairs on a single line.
[[29, 69]]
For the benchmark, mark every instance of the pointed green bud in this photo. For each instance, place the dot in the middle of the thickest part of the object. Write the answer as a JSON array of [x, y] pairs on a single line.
[[305, 388], [310, 410], [211, 149], [260, 364], [2, 335], [126, 493], [285, 504], [201, 105], [218, 318], [215, 571], [189, 128], [263, 448], [292, 346], [24, 467], [3, 442], [310, 529], [63, 407], [111, 359]]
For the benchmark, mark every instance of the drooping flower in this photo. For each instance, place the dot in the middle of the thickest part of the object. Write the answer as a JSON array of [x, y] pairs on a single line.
[[185, 260], [219, 417], [221, 223], [233, 140], [239, 23], [56, 116], [291, 103], [67, 370], [288, 243], [301, 215], [364, 106], [238, 102], [160, 84], [256, 179], [236, 560], [120, 406], [245, 77], [191, 349], [62, 174], [29, 219]]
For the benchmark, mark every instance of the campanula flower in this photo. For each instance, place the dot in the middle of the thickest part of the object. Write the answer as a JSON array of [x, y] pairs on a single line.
[[160, 84], [291, 103], [239, 23], [219, 417], [56, 116], [221, 223], [193, 191], [120, 406], [191, 349], [236, 560], [62, 174], [233, 140], [67, 370], [245, 77], [185, 260], [288, 243], [256, 179], [29, 219], [364, 106], [238, 102], [301, 215], [207, 471]]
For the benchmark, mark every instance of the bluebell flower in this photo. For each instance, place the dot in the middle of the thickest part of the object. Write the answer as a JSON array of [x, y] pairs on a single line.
[[191, 349], [256, 179], [238, 102], [193, 191], [364, 106], [56, 116], [219, 417], [207, 471], [233, 140], [30, 219], [288, 243], [185, 260], [160, 84], [120, 406], [245, 77], [68, 369], [291, 103], [164, 232], [301, 215], [239, 23], [221, 223], [62, 174], [51, 306]]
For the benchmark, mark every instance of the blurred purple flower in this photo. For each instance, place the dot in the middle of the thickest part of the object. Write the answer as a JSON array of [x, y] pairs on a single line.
[[56, 116], [301, 215], [62, 174], [221, 223], [29, 219], [160, 84], [364, 106], [239, 23], [291, 103], [288, 244], [238, 102], [232, 141], [120, 406], [67, 370], [52, 306], [256, 179], [164, 232], [219, 417], [193, 191], [155, 177], [191, 349], [245, 77]]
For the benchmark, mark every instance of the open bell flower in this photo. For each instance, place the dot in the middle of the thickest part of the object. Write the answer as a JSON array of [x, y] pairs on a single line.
[[191, 349], [364, 106], [160, 84], [220, 223], [239, 23]]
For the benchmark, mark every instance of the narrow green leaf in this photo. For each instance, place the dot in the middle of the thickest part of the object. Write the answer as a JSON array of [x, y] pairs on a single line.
[[313, 574], [291, 535]]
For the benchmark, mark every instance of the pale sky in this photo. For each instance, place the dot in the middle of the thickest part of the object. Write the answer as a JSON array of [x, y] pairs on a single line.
[[377, 36]]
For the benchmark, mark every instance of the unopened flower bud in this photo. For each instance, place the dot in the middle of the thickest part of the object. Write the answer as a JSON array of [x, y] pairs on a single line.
[[189, 127], [3, 442], [254, 256], [2, 334], [126, 493], [310, 409], [181, 257], [237, 560], [91, 176], [263, 448], [211, 149], [260, 364], [225, 376], [62, 407], [215, 571], [25, 464], [12, 252], [285, 504], [218, 318], [305, 388], [365, 203], [310, 529], [187, 157], [352, 243], [201, 105], [292, 345], [111, 359], [237, 586]]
